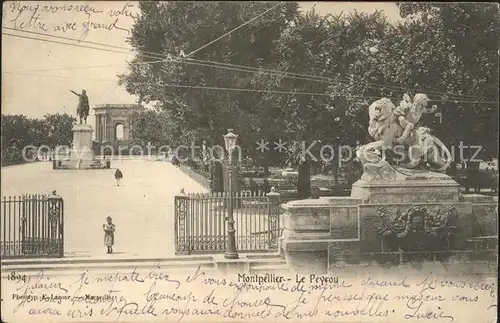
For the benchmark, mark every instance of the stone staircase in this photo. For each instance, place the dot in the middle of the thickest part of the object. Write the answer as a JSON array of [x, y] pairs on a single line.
[[271, 263], [69, 266], [253, 263]]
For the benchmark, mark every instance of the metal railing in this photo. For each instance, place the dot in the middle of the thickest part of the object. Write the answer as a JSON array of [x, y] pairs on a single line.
[[32, 226], [201, 222]]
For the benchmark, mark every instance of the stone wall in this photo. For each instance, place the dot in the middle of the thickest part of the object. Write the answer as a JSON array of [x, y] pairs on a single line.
[[319, 233]]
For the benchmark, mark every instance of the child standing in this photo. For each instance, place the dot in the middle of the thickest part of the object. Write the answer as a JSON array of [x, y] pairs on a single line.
[[109, 234], [118, 176]]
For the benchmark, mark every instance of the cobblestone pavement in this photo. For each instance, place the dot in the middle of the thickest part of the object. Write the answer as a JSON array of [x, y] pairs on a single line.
[[141, 207]]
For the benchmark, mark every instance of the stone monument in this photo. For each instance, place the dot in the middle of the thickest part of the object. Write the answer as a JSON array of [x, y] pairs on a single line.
[[81, 155], [404, 204]]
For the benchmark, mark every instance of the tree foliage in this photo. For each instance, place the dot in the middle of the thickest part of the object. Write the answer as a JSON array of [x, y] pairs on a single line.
[[57, 129], [169, 27], [158, 128], [451, 53], [19, 132]]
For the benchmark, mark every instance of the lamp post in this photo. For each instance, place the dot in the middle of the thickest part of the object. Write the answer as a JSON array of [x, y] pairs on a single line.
[[230, 142]]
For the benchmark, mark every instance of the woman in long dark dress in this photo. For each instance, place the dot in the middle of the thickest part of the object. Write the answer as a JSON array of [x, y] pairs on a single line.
[[109, 234]]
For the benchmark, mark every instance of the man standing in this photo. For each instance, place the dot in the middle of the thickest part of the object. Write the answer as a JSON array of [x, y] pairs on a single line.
[[118, 176]]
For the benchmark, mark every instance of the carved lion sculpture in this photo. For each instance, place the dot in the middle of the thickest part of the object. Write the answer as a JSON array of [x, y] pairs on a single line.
[[418, 146], [381, 118]]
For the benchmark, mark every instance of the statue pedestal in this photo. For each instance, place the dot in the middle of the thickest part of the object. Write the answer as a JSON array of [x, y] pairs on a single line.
[[410, 190], [369, 227], [82, 137], [81, 155]]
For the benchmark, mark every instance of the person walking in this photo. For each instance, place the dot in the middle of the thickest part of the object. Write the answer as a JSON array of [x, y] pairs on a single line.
[[109, 234], [118, 176]]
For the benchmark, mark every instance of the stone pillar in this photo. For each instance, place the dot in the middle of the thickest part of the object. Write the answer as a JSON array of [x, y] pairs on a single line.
[[304, 229], [98, 128], [274, 217], [126, 132], [56, 221], [105, 128], [319, 233], [101, 128]]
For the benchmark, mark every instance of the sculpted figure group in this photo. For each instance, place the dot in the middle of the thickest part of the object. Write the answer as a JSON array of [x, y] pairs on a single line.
[[397, 129]]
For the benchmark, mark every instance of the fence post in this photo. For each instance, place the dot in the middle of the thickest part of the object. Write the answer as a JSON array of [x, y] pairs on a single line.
[[56, 221], [182, 223], [273, 198]]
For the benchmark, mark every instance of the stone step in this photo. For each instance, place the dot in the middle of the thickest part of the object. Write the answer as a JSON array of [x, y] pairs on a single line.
[[263, 262], [57, 269], [273, 262], [266, 268], [115, 262], [176, 273], [101, 259], [263, 255]]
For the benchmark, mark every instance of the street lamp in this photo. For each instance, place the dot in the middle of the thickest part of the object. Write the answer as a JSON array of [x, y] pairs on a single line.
[[230, 142]]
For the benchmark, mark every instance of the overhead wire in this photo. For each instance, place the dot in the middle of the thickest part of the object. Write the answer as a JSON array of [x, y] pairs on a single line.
[[241, 68], [171, 85], [225, 88], [149, 54], [233, 30], [72, 68], [332, 80]]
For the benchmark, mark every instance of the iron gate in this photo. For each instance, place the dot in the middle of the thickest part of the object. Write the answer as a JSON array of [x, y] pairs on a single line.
[[201, 222], [32, 226]]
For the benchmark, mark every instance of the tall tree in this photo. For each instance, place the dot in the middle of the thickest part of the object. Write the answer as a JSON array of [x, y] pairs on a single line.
[[167, 28], [329, 48], [14, 131], [157, 127], [301, 119], [450, 52], [58, 129]]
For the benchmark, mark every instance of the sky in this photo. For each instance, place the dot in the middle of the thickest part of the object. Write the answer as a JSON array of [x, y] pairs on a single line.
[[37, 76]]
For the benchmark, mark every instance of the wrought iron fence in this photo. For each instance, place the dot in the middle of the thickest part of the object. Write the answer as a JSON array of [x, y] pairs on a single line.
[[201, 221], [32, 226]]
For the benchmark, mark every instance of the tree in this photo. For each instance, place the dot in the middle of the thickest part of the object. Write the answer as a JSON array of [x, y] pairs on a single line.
[[166, 28], [357, 70], [303, 48], [20, 132], [450, 52], [58, 129], [14, 131], [157, 127], [330, 48]]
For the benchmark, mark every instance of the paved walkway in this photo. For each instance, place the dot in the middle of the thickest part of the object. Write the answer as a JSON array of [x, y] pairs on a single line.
[[141, 208]]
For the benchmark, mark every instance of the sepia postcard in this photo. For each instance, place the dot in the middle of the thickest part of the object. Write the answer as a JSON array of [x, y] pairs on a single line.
[[249, 161]]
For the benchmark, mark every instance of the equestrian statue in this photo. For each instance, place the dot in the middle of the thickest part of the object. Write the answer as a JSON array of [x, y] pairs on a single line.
[[83, 106]]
